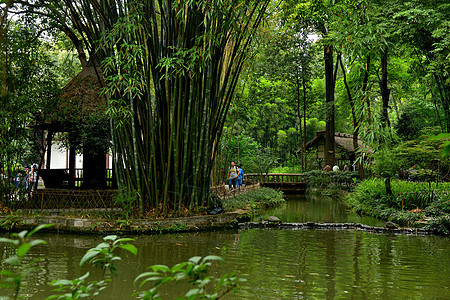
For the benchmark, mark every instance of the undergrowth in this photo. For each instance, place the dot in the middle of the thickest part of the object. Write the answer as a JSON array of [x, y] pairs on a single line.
[[409, 203], [330, 183], [260, 198]]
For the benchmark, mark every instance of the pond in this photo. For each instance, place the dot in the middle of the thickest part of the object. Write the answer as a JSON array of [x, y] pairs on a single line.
[[301, 209], [277, 264]]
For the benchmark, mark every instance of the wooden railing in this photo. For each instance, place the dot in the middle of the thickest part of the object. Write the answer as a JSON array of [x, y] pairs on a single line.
[[275, 177], [60, 178], [71, 199]]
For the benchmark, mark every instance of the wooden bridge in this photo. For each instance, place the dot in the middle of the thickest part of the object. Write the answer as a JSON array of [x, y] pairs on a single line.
[[290, 183]]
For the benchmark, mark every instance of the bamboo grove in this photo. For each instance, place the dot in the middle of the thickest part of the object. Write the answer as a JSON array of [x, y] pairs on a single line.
[[171, 68]]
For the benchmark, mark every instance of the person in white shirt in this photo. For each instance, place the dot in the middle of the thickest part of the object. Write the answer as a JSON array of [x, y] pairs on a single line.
[[233, 173], [32, 178], [336, 168]]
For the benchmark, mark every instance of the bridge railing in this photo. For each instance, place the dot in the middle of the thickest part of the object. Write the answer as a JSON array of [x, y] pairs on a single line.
[[275, 177]]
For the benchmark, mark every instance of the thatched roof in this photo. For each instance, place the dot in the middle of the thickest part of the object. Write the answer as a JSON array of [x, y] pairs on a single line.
[[81, 96], [343, 140]]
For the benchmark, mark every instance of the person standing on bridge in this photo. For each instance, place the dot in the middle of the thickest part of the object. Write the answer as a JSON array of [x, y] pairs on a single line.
[[233, 173], [336, 168], [240, 178]]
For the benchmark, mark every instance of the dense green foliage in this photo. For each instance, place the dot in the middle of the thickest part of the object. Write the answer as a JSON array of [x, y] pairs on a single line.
[[180, 110], [409, 202], [331, 183], [270, 107]]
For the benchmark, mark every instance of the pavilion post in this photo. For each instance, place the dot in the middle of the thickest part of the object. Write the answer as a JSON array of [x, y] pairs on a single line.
[[72, 156], [49, 149]]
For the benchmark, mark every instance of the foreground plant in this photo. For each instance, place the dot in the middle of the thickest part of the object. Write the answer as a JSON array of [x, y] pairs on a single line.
[[195, 273], [15, 268], [102, 256]]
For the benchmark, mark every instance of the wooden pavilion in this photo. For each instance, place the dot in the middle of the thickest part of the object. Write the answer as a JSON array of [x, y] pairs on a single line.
[[344, 150], [80, 99]]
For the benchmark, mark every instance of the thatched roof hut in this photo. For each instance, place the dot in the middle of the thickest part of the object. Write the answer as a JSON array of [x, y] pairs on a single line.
[[82, 97], [344, 149], [80, 100]]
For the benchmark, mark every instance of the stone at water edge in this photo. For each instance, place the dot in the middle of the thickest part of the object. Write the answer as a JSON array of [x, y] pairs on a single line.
[[390, 225], [273, 219]]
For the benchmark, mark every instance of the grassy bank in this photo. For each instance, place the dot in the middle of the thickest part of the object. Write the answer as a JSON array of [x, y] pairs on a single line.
[[333, 184], [414, 204], [256, 199]]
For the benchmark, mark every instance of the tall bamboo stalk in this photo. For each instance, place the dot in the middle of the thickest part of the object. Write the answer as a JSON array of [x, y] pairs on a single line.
[[172, 68]]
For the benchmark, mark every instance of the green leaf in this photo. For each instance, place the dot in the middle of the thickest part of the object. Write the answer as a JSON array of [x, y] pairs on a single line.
[[195, 259], [193, 292], [40, 227], [13, 260], [131, 248], [22, 234], [110, 238], [37, 242], [88, 256], [163, 268], [9, 241], [23, 249], [60, 282], [213, 257], [123, 240], [145, 274], [6, 273], [100, 247]]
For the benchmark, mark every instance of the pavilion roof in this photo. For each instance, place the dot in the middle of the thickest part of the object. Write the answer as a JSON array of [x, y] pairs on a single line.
[[80, 99], [343, 140]]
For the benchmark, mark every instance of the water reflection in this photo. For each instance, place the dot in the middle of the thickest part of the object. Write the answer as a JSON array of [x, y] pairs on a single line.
[[301, 208], [281, 264], [278, 264]]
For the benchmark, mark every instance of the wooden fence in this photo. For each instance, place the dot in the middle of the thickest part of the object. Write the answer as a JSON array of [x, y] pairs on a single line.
[[70, 199]]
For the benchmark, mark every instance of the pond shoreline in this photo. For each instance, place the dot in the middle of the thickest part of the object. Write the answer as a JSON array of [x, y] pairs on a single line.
[[334, 226], [131, 226], [224, 221]]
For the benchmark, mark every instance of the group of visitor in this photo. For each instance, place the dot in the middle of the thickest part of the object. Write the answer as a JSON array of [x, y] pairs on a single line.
[[25, 178], [336, 168], [408, 174], [235, 176]]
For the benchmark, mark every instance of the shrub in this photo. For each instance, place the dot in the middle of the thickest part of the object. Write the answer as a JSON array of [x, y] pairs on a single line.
[[440, 225], [426, 199], [331, 180], [260, 198]]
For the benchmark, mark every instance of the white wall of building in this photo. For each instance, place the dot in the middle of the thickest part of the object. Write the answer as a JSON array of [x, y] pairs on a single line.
[[60, 157]]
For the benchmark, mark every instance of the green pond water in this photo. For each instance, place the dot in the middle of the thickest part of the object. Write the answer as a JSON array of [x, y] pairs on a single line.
[[277, 264]]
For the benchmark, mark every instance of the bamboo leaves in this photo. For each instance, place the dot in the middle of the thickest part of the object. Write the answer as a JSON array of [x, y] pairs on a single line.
[[171, 68]]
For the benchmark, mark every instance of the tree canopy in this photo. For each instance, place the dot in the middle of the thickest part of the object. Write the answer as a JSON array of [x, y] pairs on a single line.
[[271, 73]]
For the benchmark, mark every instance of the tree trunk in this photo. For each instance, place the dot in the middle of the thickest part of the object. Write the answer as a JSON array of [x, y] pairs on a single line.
[[356, 122], [364, 88], [445, 99], [387, 182], [385, 92], [3, 49], [302, 141], [329, 86], [304, 117]]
